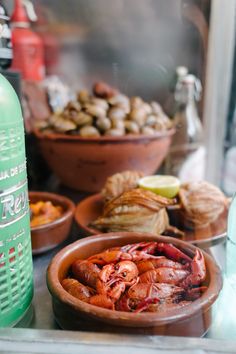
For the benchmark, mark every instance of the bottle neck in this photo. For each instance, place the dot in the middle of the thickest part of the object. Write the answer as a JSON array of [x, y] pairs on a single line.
[[186, 118], [19, 17], [185, 95], [188, 90], [20, 25]]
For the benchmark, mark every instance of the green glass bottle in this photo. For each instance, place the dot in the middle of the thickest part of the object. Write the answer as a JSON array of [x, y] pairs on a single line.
[[16, 274]]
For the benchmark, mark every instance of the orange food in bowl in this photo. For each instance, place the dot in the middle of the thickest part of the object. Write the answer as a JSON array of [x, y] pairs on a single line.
[[44, 212], [72, 313]]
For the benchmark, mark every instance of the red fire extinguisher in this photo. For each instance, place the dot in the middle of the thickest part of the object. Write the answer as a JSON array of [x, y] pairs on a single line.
[[28, 50]]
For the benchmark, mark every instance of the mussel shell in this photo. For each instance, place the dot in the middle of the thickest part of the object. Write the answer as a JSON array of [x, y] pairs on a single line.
[[116, 113], [115, 132], [103, 124], [132, 127], [89, 131], [95, 110], [83, 118]]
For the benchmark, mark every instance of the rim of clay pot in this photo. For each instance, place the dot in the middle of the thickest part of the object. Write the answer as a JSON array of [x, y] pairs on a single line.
[[55, 199], [89, 229], [107, 139], [145, 319]]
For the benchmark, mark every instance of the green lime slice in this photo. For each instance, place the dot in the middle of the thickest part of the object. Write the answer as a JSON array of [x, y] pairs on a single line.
[[166, 186]]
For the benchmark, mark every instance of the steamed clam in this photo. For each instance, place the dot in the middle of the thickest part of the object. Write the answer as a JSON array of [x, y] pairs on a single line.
[[61, 125], [151, 120], [148, 130], [103, 124], [136, 102], [132, 127], [82, 118], [89, 131], [108, 112], [94, 110], [138, 115], [83, 96], [116, 113], [115, 132], [121, 101]]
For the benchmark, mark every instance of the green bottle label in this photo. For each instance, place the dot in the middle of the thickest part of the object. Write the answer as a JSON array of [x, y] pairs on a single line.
[[12, 154], [13, 204], [16, 273], [11, 143]]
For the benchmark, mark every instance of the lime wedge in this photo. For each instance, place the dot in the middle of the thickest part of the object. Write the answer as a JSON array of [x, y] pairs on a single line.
[[166, 186]]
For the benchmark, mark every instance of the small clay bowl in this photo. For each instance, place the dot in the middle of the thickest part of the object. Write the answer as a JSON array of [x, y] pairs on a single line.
[[48, 236], [85, 163], [73, 314]]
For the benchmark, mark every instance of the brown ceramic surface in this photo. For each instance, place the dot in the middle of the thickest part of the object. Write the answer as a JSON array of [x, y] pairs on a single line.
[[91, 208], [85, 163], [73, 314], [48, 236]]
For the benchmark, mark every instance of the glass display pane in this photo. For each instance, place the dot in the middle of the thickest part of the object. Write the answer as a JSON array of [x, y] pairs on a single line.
[[129, 109]]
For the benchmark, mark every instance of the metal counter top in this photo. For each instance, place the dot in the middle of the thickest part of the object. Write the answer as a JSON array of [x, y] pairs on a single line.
[[26, 341]]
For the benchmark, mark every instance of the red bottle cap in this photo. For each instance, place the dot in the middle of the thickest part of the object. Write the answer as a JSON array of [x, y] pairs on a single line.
[[19, 14]]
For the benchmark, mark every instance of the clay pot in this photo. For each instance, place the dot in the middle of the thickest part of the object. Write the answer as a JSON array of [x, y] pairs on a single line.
[[73, 314], [85, 163], [90, 208], [48, 236]]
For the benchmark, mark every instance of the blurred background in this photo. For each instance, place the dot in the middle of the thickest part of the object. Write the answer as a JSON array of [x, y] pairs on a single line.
[[136, 46]]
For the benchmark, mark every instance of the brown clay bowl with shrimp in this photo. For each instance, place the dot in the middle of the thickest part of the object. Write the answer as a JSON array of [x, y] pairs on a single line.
[[47, 236], [74, 314]]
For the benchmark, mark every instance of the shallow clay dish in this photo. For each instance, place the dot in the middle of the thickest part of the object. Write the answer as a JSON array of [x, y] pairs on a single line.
[[73, 314], [48, 236], [85, 163], [91, 208]]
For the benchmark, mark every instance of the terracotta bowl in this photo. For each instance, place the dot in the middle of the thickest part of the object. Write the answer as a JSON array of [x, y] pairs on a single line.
[[90, 208], [85, 163], [73, 314], [48, 236]]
